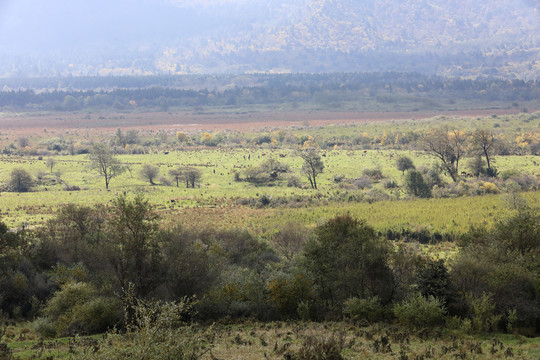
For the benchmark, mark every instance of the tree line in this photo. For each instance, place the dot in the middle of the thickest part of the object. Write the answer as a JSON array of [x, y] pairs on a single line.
[[163, 92]]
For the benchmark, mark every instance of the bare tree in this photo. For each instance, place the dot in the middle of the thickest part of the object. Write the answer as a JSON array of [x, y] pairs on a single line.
[[312, 165], [483, 141], [290, 239], [105, 163], [129, 168], [448, 146]]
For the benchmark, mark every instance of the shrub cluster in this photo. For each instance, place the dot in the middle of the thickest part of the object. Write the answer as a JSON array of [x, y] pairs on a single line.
[[67, 274]]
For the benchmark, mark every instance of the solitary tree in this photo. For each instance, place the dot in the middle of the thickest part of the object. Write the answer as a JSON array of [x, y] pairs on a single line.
[[105, 163], [312, 165], [149, 172], [50, 163], [191, 176], [448, 147], [404, 163], [20, 180], [483, 141]]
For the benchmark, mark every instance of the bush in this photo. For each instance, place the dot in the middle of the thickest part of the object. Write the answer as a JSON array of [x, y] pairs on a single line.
[[369, 309], [347, 259], [290, 239], [20, 180], [45, 327], [97, 315], [415, 184], [78, 309], [164, 181], [484, 318], [375, 174], [286, 293], [320, 348], [390, 184], [363, 183], [419, 311], [160, 333]]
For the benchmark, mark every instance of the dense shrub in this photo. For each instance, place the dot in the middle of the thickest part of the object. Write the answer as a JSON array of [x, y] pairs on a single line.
[[20, 180], [419, 311], [77, 308], [374, 174], [187, 261], [415, 184], [346, 259], [503, 262], [433, 279], [484, 317], [286, 292], [363, 182], [369, 310]]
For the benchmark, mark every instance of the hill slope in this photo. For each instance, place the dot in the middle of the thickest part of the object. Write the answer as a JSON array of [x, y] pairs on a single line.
[[448, 37]]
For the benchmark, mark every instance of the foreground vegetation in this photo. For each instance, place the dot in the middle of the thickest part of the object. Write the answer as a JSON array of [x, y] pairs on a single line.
[[68, 274], [302, 340]]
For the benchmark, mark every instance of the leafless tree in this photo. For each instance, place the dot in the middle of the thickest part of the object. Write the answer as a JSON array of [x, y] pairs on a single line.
[[448, 146]]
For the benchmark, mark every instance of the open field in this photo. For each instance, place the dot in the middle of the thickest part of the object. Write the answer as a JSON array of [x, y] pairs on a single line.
[[218, 192], [26, 124]]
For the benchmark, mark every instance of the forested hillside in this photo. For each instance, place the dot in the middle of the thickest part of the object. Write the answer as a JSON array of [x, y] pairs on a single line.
[[453, 38]]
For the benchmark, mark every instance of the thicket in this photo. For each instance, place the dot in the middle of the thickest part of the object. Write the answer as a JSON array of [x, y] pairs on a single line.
[[68, 275]]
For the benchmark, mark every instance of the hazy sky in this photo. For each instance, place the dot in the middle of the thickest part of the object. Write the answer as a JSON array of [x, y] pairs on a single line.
[[37, 25], [41, 26]]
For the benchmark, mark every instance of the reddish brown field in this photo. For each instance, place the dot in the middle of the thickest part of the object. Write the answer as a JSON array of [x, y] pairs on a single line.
[[24, 125]]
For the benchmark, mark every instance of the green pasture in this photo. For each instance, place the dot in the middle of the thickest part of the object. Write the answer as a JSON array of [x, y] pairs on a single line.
[[509, 125], [218, 190]]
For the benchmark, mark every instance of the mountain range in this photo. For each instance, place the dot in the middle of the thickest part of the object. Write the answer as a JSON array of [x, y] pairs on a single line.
[[456, 38]]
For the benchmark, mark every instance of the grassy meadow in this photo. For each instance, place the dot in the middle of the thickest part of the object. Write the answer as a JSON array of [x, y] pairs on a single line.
[[218, 190]]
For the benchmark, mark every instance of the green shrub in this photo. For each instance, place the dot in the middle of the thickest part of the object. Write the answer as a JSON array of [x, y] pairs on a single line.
[[159, 332], [285, 292], [484, 318], [69, 296], [45, 327], [98, 315], [77, 308], [369, 309], [304, 310], [419, 311]]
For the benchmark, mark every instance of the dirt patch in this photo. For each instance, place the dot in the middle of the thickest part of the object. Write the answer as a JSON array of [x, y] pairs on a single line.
[[190, 122]]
